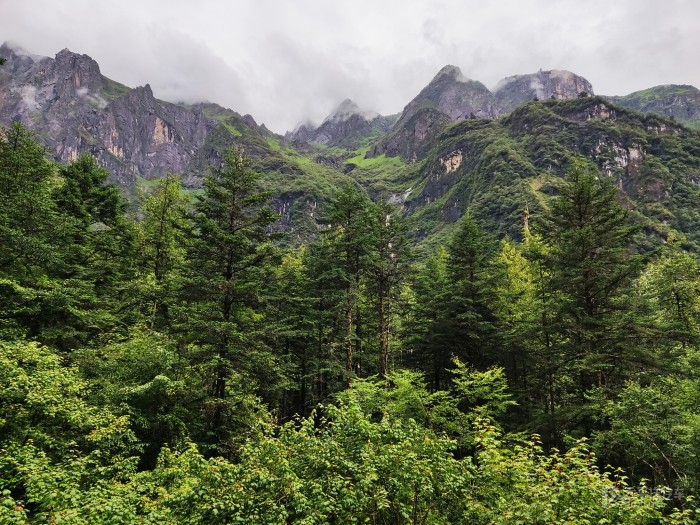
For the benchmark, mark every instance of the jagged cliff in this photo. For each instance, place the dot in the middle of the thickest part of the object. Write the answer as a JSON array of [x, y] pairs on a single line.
[[456, 146], [73, 108], [450, 96], [451, 93]]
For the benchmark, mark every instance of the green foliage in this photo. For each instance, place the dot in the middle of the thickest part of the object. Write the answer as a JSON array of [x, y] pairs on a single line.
[[591, 264], [186, 370], [226, 264], [163, 231], [27, 216], [60, 453], [654, 430]]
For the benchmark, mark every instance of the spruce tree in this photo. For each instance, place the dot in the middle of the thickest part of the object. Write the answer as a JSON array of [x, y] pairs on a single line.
[[96, 266], [220, 309], [352, 243], [27, 214], [28, 228], [427, 330], [591, 263], [470, 304], [388, 270]]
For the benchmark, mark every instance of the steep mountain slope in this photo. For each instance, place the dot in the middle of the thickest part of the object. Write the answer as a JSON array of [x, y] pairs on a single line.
[[680, 102], [450, 96], [411, 138], [455, 95], [437, 161], [74, 108]]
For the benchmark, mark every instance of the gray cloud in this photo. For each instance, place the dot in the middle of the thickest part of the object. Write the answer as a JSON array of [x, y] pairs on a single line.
[[284, 62]]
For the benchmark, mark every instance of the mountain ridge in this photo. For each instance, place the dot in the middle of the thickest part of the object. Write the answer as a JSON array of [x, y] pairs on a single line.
[[434, 164]]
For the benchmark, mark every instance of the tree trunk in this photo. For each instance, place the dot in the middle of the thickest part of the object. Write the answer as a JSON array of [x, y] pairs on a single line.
[[383, 334]]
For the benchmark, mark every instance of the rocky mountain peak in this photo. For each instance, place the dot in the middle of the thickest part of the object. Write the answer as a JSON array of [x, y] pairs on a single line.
[[345, 125], [455, 95], [513, 91], [76, 74], [347, 109], [248, 119], [19, 61], [451, 71]]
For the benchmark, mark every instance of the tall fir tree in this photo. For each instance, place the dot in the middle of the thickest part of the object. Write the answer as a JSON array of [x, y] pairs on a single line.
[[591, 263], [97, 256], [28, 228], [352, 242], [427, 330], [220, 311], [387, 273], [470, 260]]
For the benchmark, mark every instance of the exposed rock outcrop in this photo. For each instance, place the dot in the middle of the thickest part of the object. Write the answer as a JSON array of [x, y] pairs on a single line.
[[451, 93], [413, 137], [514, 91]]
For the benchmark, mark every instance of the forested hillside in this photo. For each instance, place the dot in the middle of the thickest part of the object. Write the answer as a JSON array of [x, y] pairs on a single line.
[[181, 365]]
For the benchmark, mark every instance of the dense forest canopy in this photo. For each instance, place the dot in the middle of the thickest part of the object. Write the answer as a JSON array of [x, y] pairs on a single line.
[[177, 365]]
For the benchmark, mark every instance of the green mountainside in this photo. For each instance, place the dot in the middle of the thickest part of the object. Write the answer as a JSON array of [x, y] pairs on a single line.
[[497, 168], [451, 150], [680, 102]]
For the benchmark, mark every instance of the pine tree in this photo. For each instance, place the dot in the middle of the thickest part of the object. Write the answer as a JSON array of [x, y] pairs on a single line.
[[96, 264], [352, 242], [428, 327], [671, 284], [470, 255], [388, 270], [27, 214], [28, 227]]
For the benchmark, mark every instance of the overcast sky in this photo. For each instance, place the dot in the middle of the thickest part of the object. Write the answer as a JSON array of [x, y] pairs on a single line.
[[284, 61]]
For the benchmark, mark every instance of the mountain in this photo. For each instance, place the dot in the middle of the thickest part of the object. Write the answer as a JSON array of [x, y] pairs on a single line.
[[74, 109], [514, 91], [410, 137], [680, 102], [348, 126], [436, 162], [450, 96], [496, 168], [454, 95]]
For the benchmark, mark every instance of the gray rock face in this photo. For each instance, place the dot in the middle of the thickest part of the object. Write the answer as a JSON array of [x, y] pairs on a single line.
[[514, 91], [451, 93], [348, 125], [73, 109]]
